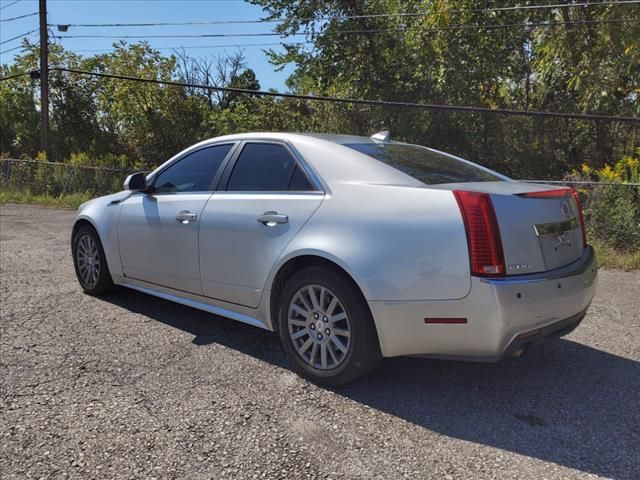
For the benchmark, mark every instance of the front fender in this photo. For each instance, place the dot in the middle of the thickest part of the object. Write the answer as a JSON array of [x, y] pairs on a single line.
[[102, 213]]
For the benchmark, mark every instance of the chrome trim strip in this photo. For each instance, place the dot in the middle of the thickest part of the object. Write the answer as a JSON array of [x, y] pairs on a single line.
[[578, 267], [555, 228], [200, 306]]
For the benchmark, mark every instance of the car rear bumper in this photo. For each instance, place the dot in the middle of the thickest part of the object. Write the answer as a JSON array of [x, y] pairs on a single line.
[[499, 317]]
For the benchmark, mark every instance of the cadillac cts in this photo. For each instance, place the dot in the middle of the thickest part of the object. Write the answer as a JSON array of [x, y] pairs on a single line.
[[351, 248]]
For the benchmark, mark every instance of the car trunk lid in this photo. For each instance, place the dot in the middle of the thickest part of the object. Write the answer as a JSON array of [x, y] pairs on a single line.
[[539, 226]]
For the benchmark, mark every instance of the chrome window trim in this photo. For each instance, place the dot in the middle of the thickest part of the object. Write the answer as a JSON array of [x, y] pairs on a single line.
[[215, 183], [312, 193]]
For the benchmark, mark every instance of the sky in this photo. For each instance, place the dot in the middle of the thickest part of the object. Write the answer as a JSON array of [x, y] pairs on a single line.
[[150, 11]]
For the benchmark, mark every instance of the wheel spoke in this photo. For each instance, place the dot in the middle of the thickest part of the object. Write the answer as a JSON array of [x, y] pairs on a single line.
[[301, 311], [332, 306], [300, 333], [342, 332], [332, 353], [303, 300], [323, 355], [314, 300], [305, 346], [314, 350], [338, 317], [297, 323], [338, 343]]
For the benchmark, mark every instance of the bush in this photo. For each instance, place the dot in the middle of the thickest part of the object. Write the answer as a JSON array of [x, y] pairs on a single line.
[[612, 212], [57, 179]]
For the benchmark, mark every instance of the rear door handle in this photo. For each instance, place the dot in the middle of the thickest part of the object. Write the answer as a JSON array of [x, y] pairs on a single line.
[[185, 217], [271, 219]]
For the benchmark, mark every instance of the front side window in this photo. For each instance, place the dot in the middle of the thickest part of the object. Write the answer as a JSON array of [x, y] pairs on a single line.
[[423, 164], [267, 167], [193, 173]]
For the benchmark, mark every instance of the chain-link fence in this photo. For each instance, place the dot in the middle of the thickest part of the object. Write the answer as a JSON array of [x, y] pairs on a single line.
[[57, 179], [612, 210]]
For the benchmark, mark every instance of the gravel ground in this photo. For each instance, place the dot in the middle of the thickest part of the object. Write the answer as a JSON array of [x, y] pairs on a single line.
[[129, 386]]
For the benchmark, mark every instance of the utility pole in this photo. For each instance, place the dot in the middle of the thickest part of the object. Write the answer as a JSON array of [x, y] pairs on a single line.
[[44, 80]]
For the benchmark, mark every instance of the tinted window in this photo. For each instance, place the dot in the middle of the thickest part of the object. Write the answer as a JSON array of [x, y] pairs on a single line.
[[299, 181], [194, 173], [262, 167], [423, 164]]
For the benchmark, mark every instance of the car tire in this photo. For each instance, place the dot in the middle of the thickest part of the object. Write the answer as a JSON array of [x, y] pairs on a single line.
[[90, 262], [330, 342]]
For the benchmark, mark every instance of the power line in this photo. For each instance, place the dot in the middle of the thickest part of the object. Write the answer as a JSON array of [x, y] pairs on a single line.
[[14, 76], [18, 36], [188, 47], [11, 49], [350, 17], [7, 6], [354, 101], [373, 30], [18, 17]]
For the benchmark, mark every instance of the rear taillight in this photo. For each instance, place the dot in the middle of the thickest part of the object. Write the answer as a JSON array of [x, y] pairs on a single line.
[[483, 235], [576, 197], [555, 193]]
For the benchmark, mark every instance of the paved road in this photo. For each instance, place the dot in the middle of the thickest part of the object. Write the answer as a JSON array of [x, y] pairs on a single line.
[[128, 386]]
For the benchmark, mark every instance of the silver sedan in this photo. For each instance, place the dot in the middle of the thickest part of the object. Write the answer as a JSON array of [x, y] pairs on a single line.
[[351, 248]]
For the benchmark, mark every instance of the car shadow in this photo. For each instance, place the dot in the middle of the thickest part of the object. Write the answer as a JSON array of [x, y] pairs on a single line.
[[563, 402]]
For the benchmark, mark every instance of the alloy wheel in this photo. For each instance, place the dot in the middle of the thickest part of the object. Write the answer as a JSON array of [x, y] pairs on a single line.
[[88, 260], [319, 327]]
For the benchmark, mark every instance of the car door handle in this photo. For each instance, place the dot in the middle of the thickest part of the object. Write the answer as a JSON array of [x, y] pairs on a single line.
[[271, 219], [185, 217]]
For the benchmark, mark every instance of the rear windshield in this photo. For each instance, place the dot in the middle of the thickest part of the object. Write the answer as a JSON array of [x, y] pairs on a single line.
[[423, 164]]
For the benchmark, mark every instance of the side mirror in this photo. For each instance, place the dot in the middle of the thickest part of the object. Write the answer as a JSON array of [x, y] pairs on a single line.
[[136, 182]]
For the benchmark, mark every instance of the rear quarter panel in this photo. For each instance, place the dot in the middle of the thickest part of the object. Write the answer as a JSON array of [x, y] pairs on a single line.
[[399, 243]]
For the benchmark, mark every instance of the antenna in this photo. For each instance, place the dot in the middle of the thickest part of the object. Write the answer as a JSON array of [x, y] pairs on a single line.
[[382, 137]]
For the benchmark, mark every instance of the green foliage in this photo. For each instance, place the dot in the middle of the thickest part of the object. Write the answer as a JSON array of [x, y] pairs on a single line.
[[612, 212], [613, 258], [56, 180], [441, 57], [70, 200], [448, 54]]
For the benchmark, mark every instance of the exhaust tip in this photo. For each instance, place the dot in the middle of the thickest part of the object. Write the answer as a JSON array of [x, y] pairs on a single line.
[[519, 353]]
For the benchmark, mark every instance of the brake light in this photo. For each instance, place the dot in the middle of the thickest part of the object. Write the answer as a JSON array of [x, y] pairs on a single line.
[[483, 235], [555, 193], [576, 197]]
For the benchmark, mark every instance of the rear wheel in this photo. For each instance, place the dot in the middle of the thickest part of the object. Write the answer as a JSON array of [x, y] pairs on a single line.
[[326, 327], [90, 262]]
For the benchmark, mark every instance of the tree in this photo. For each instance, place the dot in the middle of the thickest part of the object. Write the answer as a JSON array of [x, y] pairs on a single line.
[[452, 53]]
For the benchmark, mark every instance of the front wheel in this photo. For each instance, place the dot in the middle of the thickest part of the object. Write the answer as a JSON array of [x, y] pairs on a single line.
[[326, 327], [90, 262]]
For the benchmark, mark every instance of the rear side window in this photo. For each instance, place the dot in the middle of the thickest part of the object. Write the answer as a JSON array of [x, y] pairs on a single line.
[[194, 172], [426, 165], [267, 167]]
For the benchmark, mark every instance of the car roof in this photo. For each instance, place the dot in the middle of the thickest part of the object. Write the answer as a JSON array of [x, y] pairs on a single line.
[[327, 155], [337, 138]]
